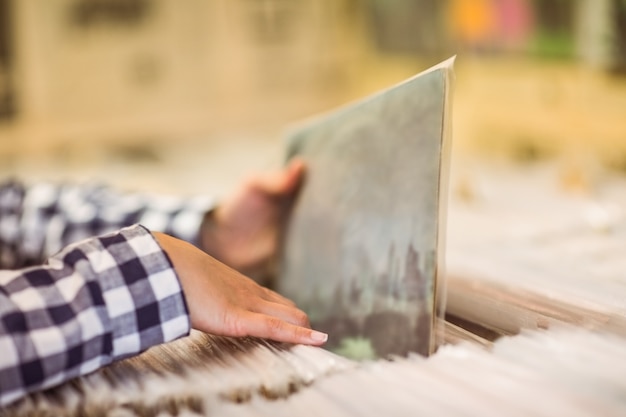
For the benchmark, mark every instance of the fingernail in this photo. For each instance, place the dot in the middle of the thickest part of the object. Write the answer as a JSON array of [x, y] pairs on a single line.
[[318, 336]]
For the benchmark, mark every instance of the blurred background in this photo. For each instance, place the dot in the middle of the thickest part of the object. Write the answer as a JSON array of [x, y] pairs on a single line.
[[189, 97], [158, 95]]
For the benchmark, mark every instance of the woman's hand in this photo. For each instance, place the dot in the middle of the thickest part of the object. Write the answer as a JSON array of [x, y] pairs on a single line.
[[224, 302], [244, 230]]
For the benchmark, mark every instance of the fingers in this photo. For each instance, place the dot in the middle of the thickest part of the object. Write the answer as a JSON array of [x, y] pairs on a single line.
[[267, 327], [265, 293], [270, 295], [280, 182], [295, 173], [287, 313]]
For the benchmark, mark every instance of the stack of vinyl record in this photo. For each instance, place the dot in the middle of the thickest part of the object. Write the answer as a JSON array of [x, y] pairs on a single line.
[[527, 254], [566, 371]]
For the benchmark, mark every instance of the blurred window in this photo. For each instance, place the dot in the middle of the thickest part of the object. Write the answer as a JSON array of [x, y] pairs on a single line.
[[555, 16], [7, 101], [620, 42], [86, 13], [555, 28], [272, 21]]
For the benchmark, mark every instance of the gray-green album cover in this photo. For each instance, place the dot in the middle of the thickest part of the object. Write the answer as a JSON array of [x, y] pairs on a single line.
[[362, 251]]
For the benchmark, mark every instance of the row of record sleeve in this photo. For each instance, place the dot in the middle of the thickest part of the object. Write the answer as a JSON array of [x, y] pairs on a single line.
[[563, 371]]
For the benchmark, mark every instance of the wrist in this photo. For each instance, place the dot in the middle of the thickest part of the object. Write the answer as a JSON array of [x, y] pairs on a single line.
[[211, 240]]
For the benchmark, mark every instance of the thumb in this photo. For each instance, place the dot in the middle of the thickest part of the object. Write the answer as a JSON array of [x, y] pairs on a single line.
[[281, 182]]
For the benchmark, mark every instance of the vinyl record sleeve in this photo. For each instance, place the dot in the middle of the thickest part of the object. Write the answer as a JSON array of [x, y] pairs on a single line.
[[362, 251]]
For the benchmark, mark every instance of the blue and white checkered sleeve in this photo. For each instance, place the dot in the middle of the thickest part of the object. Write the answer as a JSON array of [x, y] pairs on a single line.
[[41, 219], [95, 302]]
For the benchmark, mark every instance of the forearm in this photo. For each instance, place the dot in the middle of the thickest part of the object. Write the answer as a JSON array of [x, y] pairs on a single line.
[[37, 221], [94, 302]]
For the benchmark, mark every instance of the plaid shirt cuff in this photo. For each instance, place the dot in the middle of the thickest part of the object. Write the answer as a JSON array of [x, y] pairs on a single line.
[[95, 302], [143, 296], [39, 220]]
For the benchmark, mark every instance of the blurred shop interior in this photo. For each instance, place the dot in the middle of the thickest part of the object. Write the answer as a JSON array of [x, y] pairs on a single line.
[[158, 95]]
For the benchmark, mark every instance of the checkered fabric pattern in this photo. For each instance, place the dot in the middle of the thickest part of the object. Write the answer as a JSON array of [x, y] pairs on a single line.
[[39, 220], [96, 301]]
